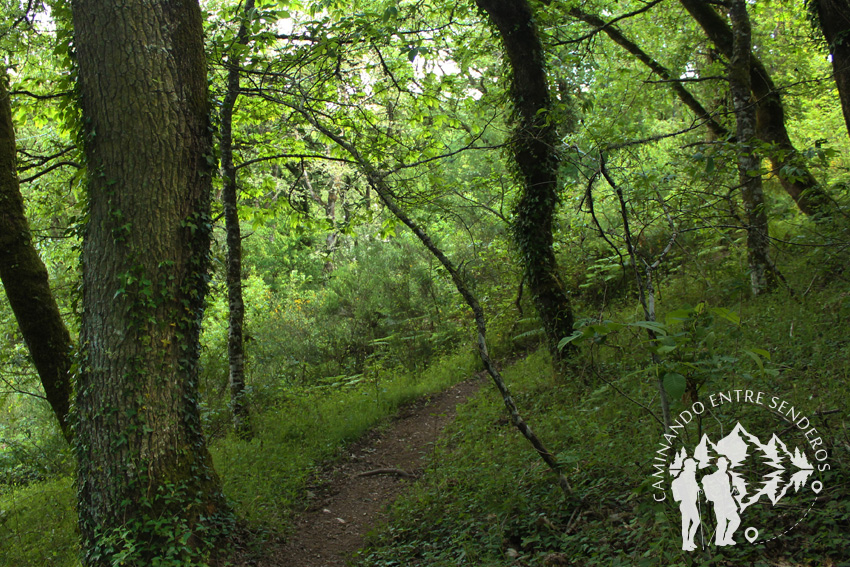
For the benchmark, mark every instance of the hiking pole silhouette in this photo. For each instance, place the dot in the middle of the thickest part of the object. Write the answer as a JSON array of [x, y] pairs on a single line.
[[701, 531]]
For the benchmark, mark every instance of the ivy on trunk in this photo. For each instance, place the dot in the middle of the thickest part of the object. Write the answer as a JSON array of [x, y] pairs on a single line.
[[533, 145], [146, 487]]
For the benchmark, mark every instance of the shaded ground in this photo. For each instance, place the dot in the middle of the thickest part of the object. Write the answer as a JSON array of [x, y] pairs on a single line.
[[352, 495]]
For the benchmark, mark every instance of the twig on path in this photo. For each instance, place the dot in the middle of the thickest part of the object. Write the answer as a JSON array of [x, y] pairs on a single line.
[[394, 472]]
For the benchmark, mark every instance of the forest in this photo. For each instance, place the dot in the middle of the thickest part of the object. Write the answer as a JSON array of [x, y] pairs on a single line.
[[592, 254]]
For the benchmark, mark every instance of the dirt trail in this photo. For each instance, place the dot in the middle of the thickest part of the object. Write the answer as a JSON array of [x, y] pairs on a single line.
[[345, 504]]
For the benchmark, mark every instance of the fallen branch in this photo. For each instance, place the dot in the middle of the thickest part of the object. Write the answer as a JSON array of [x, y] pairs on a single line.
[[393, 472]]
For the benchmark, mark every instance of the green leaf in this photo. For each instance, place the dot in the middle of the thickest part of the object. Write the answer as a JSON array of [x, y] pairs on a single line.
[[654, 326], [755, 354], [390, 13], [724, 313], [567, 340], [761, 352], [674, 385], [678, 315]]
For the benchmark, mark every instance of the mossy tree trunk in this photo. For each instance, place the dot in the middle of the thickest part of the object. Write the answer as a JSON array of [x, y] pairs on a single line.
[[762, 278], [833, 19], [533, 143], [230, 202], [146, 485], [770, 116], [25, 280]]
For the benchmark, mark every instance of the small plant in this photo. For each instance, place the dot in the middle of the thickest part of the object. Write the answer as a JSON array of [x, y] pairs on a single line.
[[687, 353]]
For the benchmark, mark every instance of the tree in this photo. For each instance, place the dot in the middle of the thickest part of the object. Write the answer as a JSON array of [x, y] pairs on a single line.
[[146, 485], [378, 181], [26, 282], [230, 202], [770, 115], [832, 17], [749, 163], [533, 144], [687, 98]]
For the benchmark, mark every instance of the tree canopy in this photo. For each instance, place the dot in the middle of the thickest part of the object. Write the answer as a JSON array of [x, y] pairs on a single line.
[[215, 213]]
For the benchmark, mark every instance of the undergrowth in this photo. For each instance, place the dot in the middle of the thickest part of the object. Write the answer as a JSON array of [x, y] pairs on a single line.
[[262, 478], [487, 500], [265, 477], [38, 525]]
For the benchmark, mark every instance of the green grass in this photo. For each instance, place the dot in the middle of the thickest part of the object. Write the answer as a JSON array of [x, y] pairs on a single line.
[[262, 478], [38, 525], [487, 493], [266, 476]]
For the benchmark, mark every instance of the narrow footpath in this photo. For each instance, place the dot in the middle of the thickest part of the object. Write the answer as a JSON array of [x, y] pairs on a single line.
[[352, 496]]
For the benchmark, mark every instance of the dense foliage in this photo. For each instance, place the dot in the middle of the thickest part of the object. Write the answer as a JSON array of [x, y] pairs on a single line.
[[342, 111]]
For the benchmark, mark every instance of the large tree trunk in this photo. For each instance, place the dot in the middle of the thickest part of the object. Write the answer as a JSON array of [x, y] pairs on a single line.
[[749, 163], [534, 144], [833, 18], [770, 116], [26, 283], [230, 198], [146, 485]]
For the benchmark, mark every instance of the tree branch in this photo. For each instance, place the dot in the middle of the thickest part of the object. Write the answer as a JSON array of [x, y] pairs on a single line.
[[40, 96], [49, 169], [292, 156], [603, 25], [684, 95]]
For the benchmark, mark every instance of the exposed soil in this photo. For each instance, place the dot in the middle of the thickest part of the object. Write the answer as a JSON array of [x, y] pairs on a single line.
[[352, 496]]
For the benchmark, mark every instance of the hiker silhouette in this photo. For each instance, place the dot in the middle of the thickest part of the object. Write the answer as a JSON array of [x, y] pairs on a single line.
[[686, 491], [718, 490]]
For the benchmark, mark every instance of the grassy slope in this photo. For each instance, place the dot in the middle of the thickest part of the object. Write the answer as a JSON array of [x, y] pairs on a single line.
[[488, 501]]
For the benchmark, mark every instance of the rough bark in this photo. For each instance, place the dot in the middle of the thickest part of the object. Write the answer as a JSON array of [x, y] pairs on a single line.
[[146, 486], [833, 19], [749, 163], [770, 117], [533, 143], [25, 281], [230, 197]]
